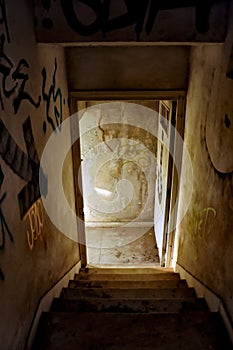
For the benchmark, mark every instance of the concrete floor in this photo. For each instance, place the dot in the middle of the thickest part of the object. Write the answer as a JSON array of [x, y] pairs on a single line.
[[120, 246]]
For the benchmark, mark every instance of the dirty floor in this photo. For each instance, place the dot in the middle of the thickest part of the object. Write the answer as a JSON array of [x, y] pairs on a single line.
[[117, 246]]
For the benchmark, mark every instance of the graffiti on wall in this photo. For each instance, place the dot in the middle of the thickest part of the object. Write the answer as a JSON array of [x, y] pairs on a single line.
[[3, 20], [35, 218], [134, 151], [53, 101], [4, 228], [31, 191], [26, 166], [13, 80], [19, 76], [200, 225], [14, 90], [142, 14], [2, 277]]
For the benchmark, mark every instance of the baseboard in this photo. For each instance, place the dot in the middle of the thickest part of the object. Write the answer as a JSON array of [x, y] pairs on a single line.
[[214, 302], [119, 224], [45, 302]]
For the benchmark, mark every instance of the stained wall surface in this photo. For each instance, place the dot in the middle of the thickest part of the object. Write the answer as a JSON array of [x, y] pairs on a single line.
[[119, 161], [133, 68], [205, 234], [34, 255]]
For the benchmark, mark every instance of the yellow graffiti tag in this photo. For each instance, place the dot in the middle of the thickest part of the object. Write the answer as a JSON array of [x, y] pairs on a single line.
[[35, 218]]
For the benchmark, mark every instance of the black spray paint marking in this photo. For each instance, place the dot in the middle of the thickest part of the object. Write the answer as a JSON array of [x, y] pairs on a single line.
[[47, 22], [13, 156], [16, 77], [26, 166], [4, 228], [31, 192], [3, 19], [2, 277], [22, 77], [227, 121], [53, 100], [46, 4], [135, 14], [1, 176]]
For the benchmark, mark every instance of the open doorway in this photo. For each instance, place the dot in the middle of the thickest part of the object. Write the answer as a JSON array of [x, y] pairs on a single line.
[[115, 156]]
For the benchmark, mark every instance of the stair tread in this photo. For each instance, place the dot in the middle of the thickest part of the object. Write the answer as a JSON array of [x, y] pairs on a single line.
[[127, 305], [126, 270], [132, 293], [128, 277], [124, 284], [191, 330]]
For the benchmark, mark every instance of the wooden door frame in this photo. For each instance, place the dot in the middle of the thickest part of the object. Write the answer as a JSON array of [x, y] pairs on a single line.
[[121, 95]]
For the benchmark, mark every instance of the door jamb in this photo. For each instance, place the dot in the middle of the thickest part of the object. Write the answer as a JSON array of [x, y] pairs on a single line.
[[76, 160]]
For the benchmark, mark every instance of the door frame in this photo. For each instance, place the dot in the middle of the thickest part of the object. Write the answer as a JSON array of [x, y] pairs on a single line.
[[173, 190]]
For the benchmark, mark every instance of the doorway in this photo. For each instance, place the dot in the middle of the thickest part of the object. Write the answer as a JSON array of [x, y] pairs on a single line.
[[115, 155]]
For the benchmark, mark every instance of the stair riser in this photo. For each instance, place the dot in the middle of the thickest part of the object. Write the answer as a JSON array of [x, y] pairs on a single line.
[[105, 309], [177, 293], [129, 306], [128, 284], [127, 277]]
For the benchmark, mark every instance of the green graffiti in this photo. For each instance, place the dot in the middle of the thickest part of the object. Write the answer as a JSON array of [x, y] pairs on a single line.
[[199, 226]]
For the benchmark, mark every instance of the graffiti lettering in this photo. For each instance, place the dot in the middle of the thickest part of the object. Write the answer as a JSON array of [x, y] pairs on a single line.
[[36, 222], [134, 152], [31, 192], [201, 219], [53, 100], [16, 78], [135, 15], [46, 4], [25, 166], [4, 227], [22, 77], [199, 225], [2, 277], [13, 156], [47, 22], [3, 18]]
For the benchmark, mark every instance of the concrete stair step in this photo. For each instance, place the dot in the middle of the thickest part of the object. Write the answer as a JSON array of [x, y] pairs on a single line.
[[124, 284], [128, 277], [127, 305], [174, 293], [126, 270], [119, 331]]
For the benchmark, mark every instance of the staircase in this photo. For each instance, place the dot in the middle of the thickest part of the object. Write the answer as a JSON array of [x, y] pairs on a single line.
[[130, 308]]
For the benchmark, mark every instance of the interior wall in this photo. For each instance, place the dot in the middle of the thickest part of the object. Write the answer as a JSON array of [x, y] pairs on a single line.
[[205, 235], [34, 255], [132, 68], [119, 162]]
